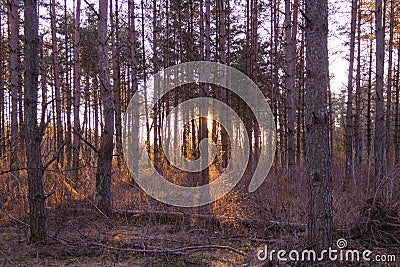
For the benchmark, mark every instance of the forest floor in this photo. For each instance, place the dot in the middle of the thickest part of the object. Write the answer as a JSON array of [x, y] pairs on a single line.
[[156, 235], [83, 237]]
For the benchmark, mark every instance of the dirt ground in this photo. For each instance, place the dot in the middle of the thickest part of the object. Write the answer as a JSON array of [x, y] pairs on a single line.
[[83, 237]]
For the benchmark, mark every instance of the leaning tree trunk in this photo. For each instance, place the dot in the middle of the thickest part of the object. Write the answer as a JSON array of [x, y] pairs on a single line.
[[104, 161], [318, 151], [33, 136]]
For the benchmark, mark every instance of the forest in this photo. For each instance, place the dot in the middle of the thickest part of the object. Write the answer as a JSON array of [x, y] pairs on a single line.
[[200, 133]]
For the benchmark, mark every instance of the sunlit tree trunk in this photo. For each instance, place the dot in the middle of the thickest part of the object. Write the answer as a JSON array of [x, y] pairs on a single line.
[[104, 162], [318, 152], [33, 136]]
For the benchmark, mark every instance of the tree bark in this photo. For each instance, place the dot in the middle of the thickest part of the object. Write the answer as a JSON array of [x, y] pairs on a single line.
[[67, 92], [318, 151], [104, 162], [358, 97], [2, 109], [369, 100], [206, 93], [134, 62], [349, 132], [397, 115], [379, 141], [77, 94], [33, 136], [57, 87], [291, 35], [155, 70], [13, 22], [222, 56], [388, 121], [116, 80]]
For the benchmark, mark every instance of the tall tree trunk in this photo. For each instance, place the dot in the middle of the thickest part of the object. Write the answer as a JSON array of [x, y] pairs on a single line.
[[397, 115], [116, 80], [300, 105], [369, 99], [77, 94], [291, 35], [57, 86], [155, 70], [389, 85], [222, 55], [13, 18], [96, 103], [33, 136], [134, 62], [145, 73], [2, 108], [254, 66], [206, 93], [379, 140], [104, 162], [349, 132], [67, 92], [250, 46], [358, 97], [318, 152]]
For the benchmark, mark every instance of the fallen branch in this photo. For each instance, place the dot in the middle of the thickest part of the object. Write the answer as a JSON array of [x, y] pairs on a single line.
[[172, 251]]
